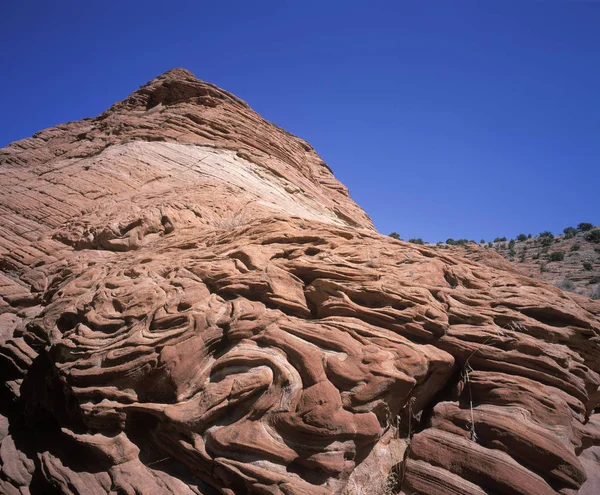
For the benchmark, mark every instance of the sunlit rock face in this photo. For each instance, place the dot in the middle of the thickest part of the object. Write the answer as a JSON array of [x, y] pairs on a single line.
[[191, 303]]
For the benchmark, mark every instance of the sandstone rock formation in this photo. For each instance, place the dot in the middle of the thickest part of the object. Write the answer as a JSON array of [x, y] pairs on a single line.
[[191, 303]]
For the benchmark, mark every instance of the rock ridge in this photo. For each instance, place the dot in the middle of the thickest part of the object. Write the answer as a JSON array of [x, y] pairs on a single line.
[[191, 303]]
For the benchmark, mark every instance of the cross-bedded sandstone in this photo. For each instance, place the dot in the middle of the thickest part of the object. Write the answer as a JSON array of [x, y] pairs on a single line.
[[191, 303]]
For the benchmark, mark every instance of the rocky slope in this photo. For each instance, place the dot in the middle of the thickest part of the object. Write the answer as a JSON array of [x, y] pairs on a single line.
[[578, 271], [191, 303]]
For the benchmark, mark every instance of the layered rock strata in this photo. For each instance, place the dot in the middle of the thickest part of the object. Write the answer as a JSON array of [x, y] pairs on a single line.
[[191, 303]]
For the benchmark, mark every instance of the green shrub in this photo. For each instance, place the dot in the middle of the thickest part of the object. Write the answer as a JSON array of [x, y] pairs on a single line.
[[490, 245], [546, 233], [570, 232], [584, 227], [418, 240], [395, 235], [587, 266], [546, 241], [521, 237], [593, 236], [500, 239], [451, 242], [482, 241], [557, 256], [575, 247]]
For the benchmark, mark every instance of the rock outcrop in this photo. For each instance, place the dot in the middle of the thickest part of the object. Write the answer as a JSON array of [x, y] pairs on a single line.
[[191, 303]]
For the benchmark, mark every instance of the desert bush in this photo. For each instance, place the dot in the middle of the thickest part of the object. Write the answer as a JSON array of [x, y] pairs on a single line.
[[521, 237], [593, 236], [567, 285], [546, 241], [546, 233], [587, 266], [395, 235], [575, 247], [543, 268], [500, 239], [584, 226], [570, 232], [450, 242], [557, 256], [418, 240]]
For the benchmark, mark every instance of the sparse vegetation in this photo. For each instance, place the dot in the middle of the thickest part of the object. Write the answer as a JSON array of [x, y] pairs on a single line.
[[418, 240], [395, 235], [587, 266], [500, 239], [546, 234], [567, 285], [543, 268], [596, 293], [584, 227], [521, 237], [575, 247], [593, 236], [557, 256], [570, 232]]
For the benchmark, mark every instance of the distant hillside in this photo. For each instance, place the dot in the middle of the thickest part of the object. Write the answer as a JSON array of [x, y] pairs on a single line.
[[570, 261]]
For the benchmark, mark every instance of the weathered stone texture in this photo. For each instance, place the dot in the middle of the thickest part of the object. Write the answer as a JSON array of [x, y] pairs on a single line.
[[191, 303]]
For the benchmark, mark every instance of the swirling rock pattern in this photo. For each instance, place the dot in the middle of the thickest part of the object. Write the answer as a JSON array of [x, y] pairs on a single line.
[[191, 303]]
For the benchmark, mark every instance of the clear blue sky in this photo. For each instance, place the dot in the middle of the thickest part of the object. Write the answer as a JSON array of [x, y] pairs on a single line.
[[456, 119]]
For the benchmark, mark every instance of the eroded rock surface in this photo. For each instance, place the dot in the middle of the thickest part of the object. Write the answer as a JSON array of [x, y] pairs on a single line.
[[191, 303]]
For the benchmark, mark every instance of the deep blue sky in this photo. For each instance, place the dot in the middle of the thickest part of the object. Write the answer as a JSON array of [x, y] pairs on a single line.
[[445, 119]]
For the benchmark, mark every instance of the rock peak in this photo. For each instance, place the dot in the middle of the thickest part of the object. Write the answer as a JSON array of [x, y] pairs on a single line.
[[175, 86], [176, 73]]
